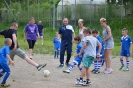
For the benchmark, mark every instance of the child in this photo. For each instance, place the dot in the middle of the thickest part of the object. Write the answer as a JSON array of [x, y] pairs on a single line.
[[57, 42], [4, 57], [89, 49], [97, 61], [126, 49], [77, 60]]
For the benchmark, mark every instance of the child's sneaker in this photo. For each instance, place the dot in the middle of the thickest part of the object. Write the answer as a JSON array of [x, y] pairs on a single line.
[[121, 67], [41, 66], [66, 71], [93, 70], [85, 83], [79, 82], [126, 69], [97, 71], [5, 85]]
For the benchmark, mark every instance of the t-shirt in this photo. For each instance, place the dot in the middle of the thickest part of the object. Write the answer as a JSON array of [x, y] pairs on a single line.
[[78, 48], [90, 49], [126, 41], [8, 34], [40, 27], [31, 31], [66, 33], [3, 51], [56, 42]]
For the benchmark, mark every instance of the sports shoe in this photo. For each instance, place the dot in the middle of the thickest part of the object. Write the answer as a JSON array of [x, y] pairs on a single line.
[[85, 83], [96, 71], [41, 66], [61, 66], [79, 82], [67, 64], [108, 71], [121, 67], [5, 85], [93, 70], [66, 71], [126, 69]]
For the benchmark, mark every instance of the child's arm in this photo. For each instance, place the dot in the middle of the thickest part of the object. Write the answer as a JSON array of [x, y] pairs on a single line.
[[131, 46], [99, 48], [10, 60], [83, 47]]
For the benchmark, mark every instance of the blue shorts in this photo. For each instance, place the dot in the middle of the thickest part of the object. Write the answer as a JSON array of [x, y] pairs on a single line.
[[4, 68], [40, 34], [57, 48], [77, 60], [125, 53]]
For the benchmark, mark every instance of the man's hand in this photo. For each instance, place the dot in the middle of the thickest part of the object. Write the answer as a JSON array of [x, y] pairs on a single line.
[[15, 47]]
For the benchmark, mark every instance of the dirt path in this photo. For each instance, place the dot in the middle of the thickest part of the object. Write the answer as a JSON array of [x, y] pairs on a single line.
[[26, 76]]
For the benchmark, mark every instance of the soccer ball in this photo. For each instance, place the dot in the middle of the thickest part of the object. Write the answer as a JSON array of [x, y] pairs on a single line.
[[46, 73]]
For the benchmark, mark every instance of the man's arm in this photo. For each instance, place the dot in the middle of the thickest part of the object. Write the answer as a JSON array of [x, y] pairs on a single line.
[[15, 41]]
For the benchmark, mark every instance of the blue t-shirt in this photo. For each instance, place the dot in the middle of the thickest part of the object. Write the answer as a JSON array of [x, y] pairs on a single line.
[[126, 41], [78, 48], [3, 51], [100, 40], [56, 42], [66, 32], [40, 27]]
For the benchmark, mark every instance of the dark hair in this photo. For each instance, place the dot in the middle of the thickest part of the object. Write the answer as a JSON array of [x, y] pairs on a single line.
[[87, 30], [77, 38], [94, 31], [125, 29]]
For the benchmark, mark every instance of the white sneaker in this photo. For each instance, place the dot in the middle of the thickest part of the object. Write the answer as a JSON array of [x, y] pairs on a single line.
[[79, 82]]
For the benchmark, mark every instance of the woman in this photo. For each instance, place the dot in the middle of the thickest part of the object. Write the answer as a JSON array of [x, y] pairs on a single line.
[[81, 26], [109, 45], [31, 32]]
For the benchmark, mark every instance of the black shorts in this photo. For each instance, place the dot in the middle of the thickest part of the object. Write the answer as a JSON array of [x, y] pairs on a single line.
[[31, 43]]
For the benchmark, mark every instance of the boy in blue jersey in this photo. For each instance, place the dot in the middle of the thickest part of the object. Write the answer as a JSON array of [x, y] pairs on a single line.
[[77, 60], [126, 49], [97, 61], [56, 42], [4, 58]]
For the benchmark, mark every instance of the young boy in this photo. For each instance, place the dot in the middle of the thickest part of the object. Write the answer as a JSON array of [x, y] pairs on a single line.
[[97, 61], [126, 49], [89, 49], [4, 58], [57, 42], [77, 60]]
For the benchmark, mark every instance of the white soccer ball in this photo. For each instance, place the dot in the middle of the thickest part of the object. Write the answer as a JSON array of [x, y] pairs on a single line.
[[46, 73]]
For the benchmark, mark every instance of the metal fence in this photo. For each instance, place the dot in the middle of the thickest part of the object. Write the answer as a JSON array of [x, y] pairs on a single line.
[[52, 16]]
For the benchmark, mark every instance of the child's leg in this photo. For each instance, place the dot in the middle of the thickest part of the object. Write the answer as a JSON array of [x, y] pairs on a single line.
[[1, 74], [121, 60], [83, 73], [7, 74], [71, 66], [95, 64], [87, 73], [55, 53], [80, 69], [98, 64], [58, 53], [127, 62]]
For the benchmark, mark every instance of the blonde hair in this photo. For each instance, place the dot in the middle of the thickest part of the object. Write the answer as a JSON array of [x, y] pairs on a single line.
[[32, 18], [125, 29], [7, 41], [81, 20], [102, 20]]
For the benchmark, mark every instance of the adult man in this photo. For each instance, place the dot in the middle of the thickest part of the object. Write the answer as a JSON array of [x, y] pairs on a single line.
[[15, 50], [66, 31], [41, 30]]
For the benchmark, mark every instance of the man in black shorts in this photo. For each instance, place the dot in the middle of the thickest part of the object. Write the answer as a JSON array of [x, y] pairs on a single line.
[[15, 50]]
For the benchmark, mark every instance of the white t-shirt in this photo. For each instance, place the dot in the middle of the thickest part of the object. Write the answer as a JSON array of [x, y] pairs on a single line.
[[81, 33]]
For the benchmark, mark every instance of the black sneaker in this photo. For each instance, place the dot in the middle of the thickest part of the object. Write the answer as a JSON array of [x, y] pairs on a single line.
[[67, 64], [93, 70], [97, 71], [86, 83], [5, 85], [61, 66], [41, 66]]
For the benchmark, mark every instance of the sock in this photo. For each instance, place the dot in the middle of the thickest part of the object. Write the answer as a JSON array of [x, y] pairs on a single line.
[[70, 67], [98, 65], [1, 75], [80, 69], [55, 54], [81, 79], [7, 74], [87, 79], [30, 57], [127, 63], [102, 62], [122, 64], [95, 65]]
